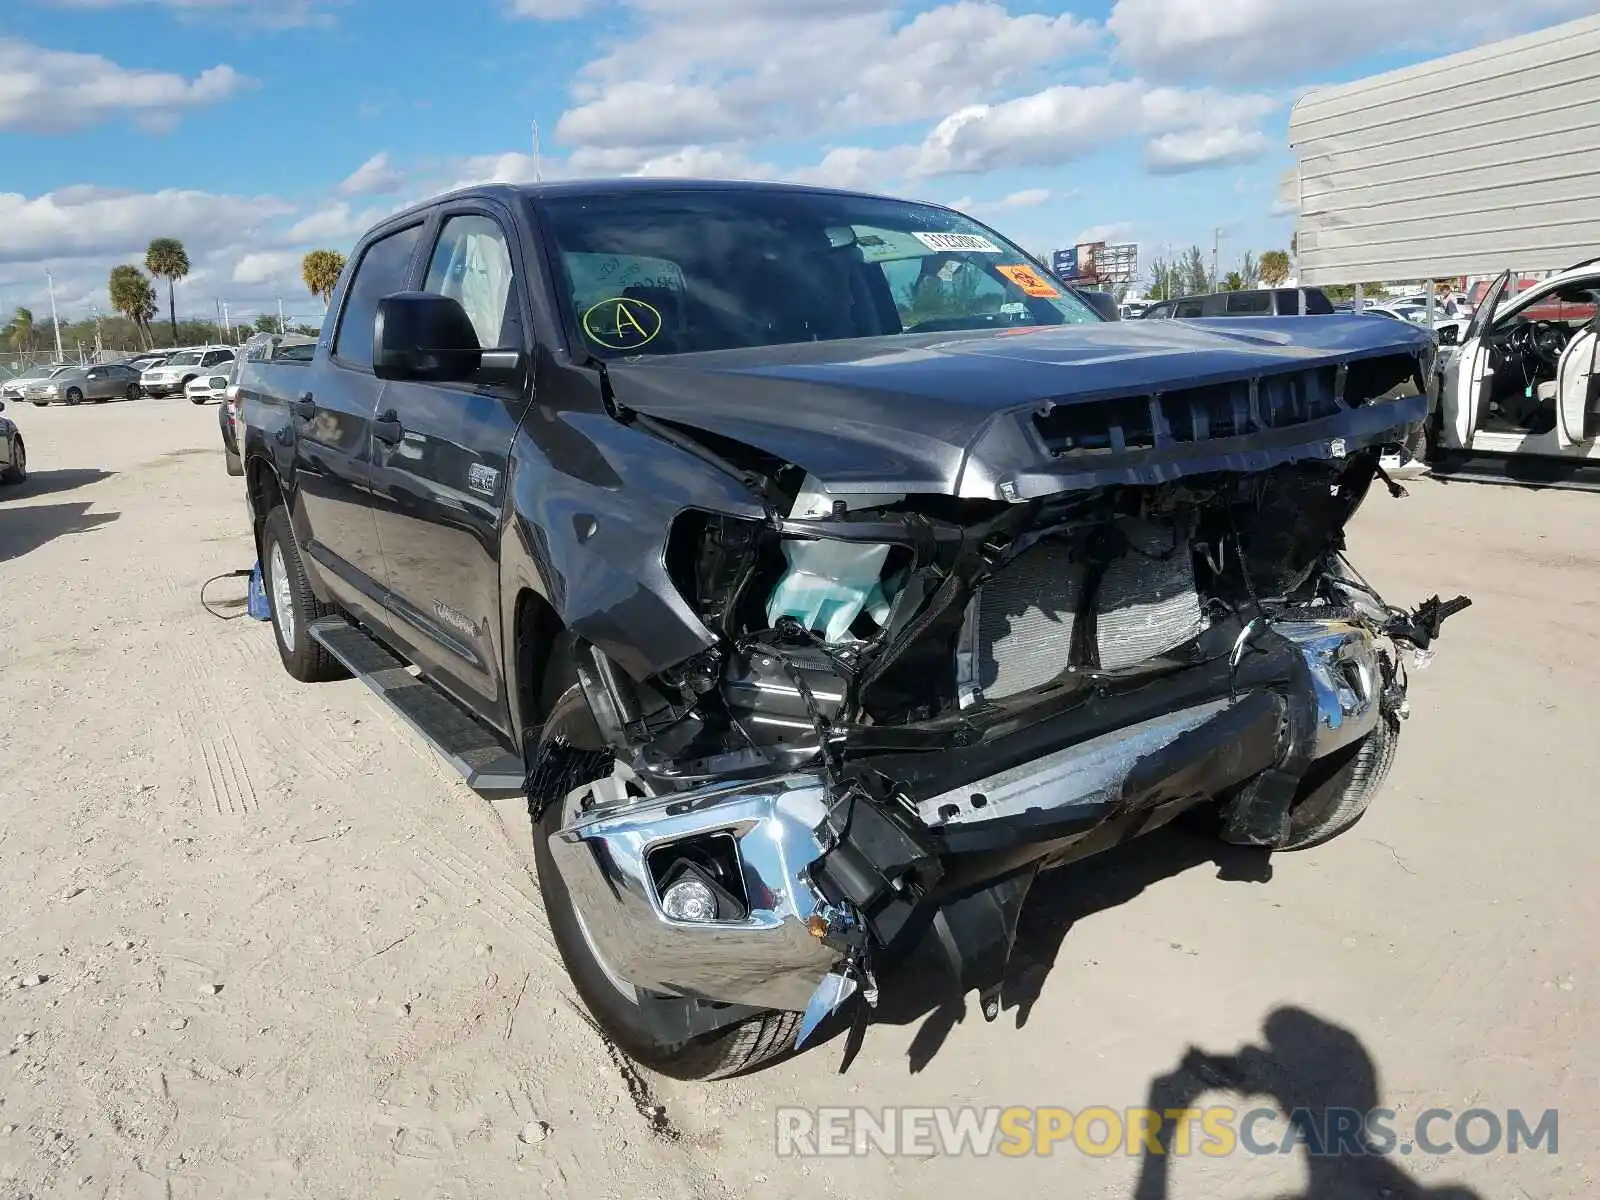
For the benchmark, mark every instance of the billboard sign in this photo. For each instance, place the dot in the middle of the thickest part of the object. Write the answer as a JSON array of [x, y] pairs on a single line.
[[1065, 263]]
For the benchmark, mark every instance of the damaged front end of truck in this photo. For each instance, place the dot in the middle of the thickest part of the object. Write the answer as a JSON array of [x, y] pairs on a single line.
[[1121, 605]]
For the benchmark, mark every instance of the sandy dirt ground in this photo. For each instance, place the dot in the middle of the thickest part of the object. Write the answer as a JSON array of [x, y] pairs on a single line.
[[255, 941]]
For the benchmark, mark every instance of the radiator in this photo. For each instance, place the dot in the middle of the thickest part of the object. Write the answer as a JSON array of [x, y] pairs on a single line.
[[1019, 629]]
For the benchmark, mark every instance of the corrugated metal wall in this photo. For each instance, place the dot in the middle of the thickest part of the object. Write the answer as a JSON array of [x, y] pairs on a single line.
[[1466, 165]]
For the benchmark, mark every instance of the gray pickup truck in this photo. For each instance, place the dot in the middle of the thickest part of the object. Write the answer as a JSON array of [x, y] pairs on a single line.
[[821, 569]]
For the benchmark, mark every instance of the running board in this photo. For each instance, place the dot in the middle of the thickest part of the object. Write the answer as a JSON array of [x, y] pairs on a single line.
[[483, 761], [1518, 470]]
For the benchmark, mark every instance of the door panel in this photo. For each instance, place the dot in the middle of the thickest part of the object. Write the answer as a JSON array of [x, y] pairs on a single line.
[[1578, 390], [1468, 400], [440, 471], [331, 412]]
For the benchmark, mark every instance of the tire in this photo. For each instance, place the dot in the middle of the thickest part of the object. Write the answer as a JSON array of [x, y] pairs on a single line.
[[74, 396], [198, 399], [567, 756], [17, 469], [40, 403], [132, 393], [1339, 788], [293, 604]]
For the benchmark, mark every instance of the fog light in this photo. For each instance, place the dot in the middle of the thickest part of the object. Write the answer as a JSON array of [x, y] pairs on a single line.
[[689, 900]]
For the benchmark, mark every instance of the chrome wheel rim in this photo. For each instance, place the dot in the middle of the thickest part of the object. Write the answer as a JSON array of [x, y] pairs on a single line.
[[282, 598]]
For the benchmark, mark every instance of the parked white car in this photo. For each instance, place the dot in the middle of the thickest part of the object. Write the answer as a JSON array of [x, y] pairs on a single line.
[[174, 375], [211, 385], [1523, 379], [14, 388]]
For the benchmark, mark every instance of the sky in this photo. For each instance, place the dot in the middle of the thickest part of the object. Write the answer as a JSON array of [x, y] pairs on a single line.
[[255, 130]]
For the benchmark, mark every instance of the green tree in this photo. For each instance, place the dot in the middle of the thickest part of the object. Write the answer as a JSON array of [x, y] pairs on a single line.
[[321, 270], [165, 258], [19, 330], [133, 296], [305, 330], [1233, 283], [1160, 280], [1194, 275], [1274, 267], [1249, 270], [265, 323]]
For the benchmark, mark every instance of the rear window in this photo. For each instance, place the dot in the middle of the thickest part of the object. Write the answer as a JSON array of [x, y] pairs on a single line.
[[672, 272], [1317, 303]]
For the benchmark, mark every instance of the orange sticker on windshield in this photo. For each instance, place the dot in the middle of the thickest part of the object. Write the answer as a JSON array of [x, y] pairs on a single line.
[[1029, 280]]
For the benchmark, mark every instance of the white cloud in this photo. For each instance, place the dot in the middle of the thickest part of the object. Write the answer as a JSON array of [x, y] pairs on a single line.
[[51, 91], [272, 14], [337, 222], [1112, 231], [1193, 150], [83, 220], [548, 10], [1243, 40], [270, 266], [713, 70], [375, 177], [1061, 123]]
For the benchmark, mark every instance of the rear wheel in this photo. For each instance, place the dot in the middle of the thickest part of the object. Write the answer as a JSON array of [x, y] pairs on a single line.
[[568, 764], [294, 605], [74, 396], [132, 393]]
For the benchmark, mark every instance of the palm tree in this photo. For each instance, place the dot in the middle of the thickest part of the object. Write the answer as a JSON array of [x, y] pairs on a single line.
[[1273, 268], [165, 258], [321, 270], [133, 297], [19, 330]]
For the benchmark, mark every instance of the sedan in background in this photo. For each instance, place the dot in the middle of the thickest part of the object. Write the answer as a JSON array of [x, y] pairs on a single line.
[[97, 381], [14, 388]]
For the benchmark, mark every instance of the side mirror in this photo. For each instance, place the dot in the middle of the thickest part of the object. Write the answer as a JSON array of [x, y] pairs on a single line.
[[1449, 335], [426, 338]]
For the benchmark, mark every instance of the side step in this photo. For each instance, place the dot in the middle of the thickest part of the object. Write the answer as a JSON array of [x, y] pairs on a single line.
[[1519, 470], [483, 761]]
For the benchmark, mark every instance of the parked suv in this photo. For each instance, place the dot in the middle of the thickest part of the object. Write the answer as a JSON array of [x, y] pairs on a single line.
[[1263, 302], [820, 569], [173, 376]]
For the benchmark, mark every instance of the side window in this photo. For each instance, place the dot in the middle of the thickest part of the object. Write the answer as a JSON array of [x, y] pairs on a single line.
[[1189, 308], [1317, 303], [382, 271], [472, 264], [1253, 304], [1288, 302]]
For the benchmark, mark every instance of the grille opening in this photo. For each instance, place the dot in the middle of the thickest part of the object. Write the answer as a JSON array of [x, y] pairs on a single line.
[[1388, 377], [1220, 410], [1105, 427], [1298, 397]]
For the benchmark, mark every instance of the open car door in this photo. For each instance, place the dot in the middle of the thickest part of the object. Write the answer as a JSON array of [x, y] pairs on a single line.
[[1466, 395], [1578, 388]]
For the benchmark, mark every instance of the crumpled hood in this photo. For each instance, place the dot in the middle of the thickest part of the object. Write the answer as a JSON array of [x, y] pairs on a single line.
[[951, 413]]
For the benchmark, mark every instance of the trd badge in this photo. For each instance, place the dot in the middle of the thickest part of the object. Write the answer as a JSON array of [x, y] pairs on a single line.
[[483, 480]]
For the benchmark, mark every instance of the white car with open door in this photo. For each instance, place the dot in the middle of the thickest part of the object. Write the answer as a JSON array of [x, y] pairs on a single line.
[[1523, 380]]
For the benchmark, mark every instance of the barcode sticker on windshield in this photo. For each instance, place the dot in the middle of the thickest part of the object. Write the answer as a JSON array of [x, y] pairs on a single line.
[[958, 241]]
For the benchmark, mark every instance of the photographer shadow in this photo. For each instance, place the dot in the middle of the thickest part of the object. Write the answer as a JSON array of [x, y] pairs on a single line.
[[1321, 1077], [1056, 902]]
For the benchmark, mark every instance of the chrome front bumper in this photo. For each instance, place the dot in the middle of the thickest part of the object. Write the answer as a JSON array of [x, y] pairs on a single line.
[[770, 959]]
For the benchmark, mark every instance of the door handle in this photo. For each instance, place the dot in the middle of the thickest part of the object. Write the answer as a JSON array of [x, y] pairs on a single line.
[[388, 429], [305, 408]]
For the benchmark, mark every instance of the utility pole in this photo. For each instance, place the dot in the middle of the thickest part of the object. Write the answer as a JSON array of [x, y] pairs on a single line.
[[227, 325], [537, 173], [280, 316], [54, 320], [99, 343], [1216, 246]]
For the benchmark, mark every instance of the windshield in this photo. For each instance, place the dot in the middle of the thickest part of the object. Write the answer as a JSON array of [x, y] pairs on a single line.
[[186, 359], [674, 272]]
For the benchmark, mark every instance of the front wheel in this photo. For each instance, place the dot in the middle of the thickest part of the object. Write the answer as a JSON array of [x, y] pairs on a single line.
[[74, 396], [17, 470], [568, 762], [198, 399], [1338, 789], [41, 404], [132, 393], [293, 604]]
